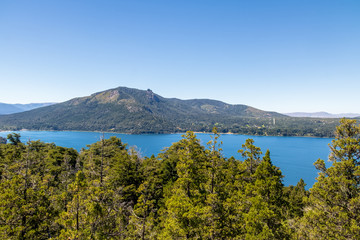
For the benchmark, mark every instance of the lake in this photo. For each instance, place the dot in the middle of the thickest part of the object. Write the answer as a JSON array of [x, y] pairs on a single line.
[[293, 155]]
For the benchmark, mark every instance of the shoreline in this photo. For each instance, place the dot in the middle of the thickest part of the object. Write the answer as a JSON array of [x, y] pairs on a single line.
[[106, 132]]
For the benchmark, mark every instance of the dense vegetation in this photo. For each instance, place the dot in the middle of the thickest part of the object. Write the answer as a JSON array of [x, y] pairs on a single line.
[[129, 110], [187, 192]]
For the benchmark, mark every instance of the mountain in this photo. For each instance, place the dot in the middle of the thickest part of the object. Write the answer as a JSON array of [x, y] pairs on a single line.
[[130, 110], [322, 115], [6, 108]]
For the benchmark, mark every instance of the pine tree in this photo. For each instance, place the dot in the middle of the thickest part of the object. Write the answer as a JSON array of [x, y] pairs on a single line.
[[214, 215], [106, 164], [252, 154], [185, 202], [333, 210], [265, 218], [295, 197], [240, 185], [144, 217], [76, 220], [26, 210]]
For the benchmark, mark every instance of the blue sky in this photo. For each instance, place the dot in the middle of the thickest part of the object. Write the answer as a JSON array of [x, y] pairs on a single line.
[[279, 55]]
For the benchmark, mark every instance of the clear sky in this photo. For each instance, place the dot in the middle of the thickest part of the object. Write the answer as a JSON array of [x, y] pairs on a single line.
[[278, 55]]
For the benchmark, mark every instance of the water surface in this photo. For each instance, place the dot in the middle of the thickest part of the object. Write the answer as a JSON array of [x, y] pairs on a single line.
[[294, 155]]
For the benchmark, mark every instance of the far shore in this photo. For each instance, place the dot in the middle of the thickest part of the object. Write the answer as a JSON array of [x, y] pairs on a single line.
[[107, 132]]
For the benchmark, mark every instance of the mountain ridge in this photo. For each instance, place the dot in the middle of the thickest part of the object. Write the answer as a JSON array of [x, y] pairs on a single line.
[[130, 110], [8, 108], [322, 114]]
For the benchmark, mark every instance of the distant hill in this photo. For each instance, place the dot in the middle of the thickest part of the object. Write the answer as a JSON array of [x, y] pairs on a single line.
[[322, 115], [6, 108], [130, 110]]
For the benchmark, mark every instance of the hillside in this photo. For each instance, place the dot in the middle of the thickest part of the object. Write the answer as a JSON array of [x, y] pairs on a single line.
[[137, 111], [322, 115], [6, 108]]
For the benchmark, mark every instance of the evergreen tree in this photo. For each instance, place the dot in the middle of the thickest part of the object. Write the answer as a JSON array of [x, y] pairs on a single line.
[[107, 164], [26, 211], [185, 202], [76, 220], [14, 138], [144, 218], [333, 210], [295, 198], [252, 154], [233, 223], [214, 215], [265, 218], [240, 182]]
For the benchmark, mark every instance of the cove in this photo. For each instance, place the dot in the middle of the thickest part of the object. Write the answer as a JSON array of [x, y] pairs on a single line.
[[293, 155]]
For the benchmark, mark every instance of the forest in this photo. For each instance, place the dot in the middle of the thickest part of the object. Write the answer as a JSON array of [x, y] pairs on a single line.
[[188, 191]]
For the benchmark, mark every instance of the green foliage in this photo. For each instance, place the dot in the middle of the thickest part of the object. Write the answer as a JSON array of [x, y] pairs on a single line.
[[188, 191], [184, 202], [295, 196], [251, 153], [332, 210], [14, 138]]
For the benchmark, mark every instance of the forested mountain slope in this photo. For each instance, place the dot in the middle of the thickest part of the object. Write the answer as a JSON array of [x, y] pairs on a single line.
[[137, 111]]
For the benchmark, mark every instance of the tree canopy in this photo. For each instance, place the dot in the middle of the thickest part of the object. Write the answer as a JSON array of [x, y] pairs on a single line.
[[188, 191]]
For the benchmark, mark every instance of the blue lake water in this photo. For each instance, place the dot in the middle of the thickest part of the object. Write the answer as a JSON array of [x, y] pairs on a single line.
[[293, 155]]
